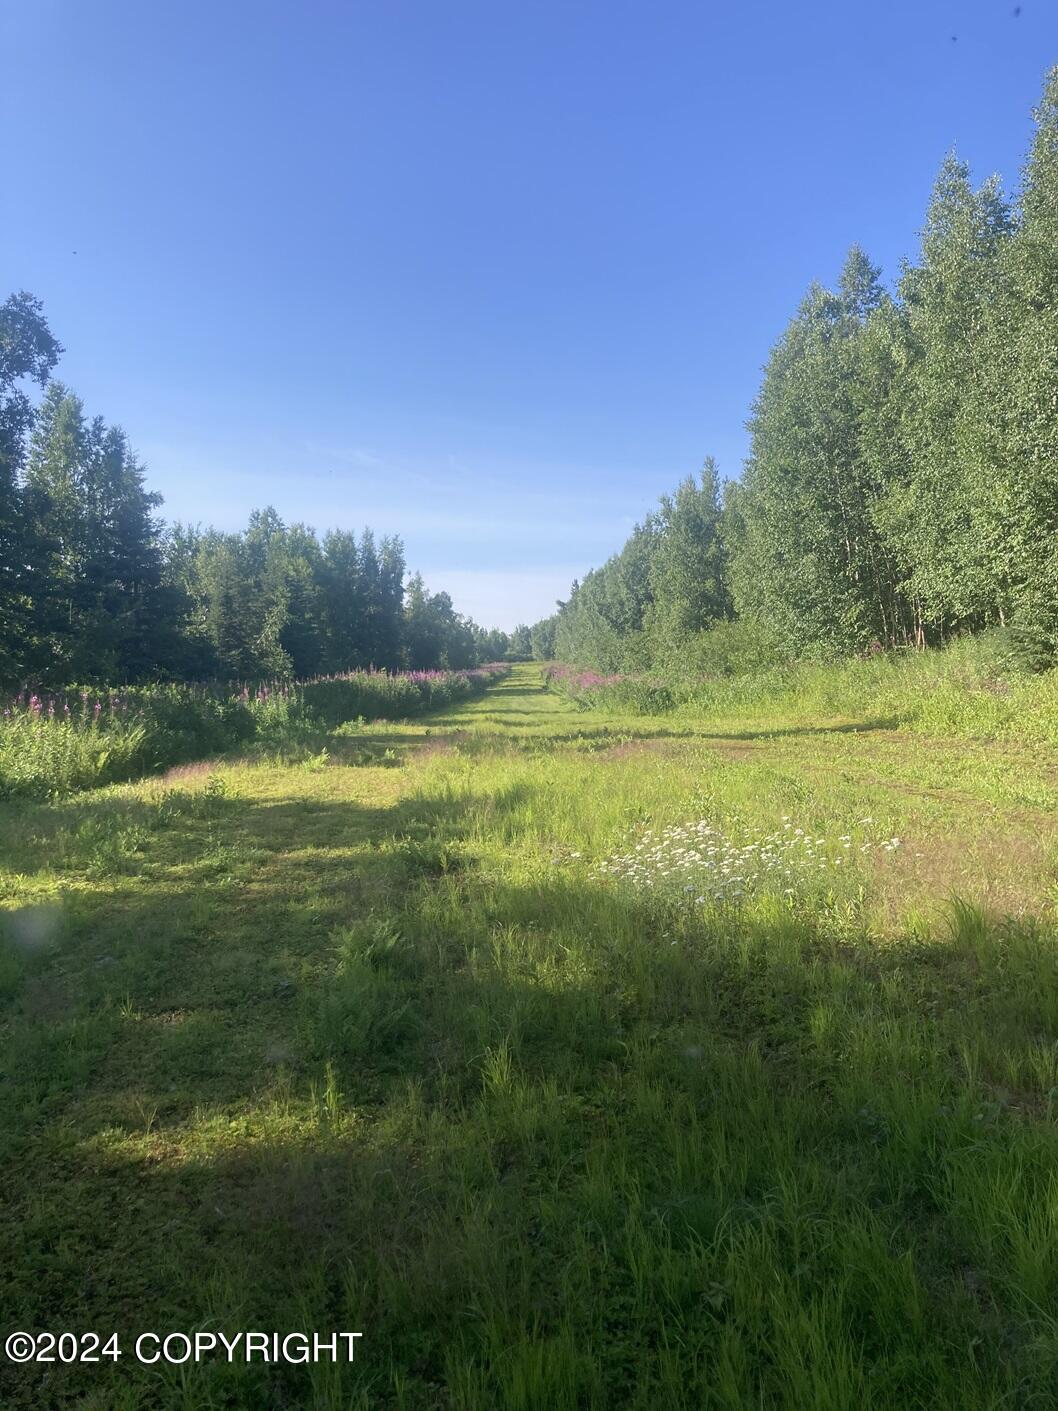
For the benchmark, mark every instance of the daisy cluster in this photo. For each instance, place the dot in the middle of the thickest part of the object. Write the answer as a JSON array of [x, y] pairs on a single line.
[[707, 864]]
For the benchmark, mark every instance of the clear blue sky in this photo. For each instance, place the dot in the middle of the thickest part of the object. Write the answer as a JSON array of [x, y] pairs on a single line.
[[492, 274]]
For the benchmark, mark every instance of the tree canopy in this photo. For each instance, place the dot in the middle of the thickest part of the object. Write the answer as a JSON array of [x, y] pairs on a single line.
[[902, 482], [94, 587]]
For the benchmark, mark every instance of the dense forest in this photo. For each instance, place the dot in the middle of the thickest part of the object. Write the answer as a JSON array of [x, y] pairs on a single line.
[[94, 587], [902, 483]]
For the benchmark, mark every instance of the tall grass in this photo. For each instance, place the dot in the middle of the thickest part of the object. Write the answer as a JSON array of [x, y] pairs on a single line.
[[378, 695], [971, 689], [51, 745]]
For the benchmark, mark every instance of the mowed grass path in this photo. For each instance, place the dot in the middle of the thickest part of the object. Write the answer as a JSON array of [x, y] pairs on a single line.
[[367, 1043]]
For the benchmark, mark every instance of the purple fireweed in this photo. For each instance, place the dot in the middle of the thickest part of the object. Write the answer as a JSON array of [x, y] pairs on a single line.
[[574, 679]]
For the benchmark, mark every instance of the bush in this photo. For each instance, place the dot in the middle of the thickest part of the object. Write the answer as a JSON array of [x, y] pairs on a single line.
[[377, 695], [975, 687], [51, 745], [729, 649]]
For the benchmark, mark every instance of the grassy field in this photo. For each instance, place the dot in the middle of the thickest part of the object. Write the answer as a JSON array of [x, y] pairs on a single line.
[[441, 1034]]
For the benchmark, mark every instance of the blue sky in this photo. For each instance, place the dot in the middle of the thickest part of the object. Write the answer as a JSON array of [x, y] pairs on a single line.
[[492, 275]]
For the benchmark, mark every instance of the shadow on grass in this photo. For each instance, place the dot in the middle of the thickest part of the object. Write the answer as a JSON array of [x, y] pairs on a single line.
[[505, 690], [856, 727], [366, 1087]]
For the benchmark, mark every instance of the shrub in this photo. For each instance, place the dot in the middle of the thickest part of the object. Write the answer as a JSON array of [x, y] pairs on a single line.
[[51, 745], [974, 687], [729, 649]]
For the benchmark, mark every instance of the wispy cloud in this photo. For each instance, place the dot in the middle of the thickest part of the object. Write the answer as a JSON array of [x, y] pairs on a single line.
[[347, 455], [504, 546], [391, 498]]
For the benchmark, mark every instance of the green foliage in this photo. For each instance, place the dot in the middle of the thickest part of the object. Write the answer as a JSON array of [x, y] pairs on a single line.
[[28, 353], [542, 638], [669, 581], [901, 485], [491, 645], [49, 748], [687, 567], [976, 687], [741, 647], [929, 448], [436, 636], [99, 605], [52, 746], [274, 601], [1021, 415], [374, 695], [810, 563], [94, 588]]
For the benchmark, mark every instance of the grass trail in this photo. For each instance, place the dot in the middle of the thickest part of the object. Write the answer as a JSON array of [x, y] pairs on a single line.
[[370, 1042]]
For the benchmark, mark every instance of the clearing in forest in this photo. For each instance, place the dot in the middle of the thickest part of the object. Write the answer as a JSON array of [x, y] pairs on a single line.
[[575, 1061]]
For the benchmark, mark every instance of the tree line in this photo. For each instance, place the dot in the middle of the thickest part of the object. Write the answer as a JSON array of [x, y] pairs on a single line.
[[95, 587], [902, 482]]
